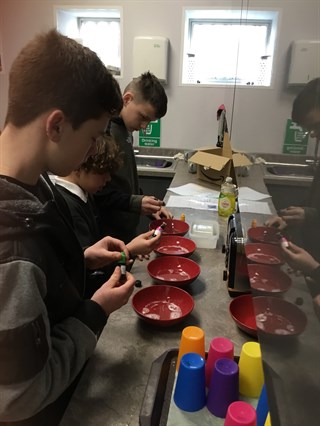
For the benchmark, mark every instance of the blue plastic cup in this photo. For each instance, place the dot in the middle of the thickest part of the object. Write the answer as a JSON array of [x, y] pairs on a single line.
[[224, 387], [262, 407], [190, 391]]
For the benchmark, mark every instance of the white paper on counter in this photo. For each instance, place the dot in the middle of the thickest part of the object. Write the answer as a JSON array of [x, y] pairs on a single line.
[[246, 193], [194, 189], [201, 202], [247, 206]]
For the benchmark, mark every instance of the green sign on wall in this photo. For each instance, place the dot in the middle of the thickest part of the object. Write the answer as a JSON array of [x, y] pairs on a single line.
[[151, 136], [296, 139]]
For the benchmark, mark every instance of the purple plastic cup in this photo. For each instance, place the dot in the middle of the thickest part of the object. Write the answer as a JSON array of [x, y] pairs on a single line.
[[224, 387], [240, 413], [190, 391], [220, 347]]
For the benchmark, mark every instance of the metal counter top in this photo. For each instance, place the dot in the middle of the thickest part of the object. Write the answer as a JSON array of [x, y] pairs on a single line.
[[111, 390]]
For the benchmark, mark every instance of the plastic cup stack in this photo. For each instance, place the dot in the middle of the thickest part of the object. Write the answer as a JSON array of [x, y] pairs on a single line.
[[192, 340], [190, 391], [220, 347], [240, 413], [251, 377], [224, 387]]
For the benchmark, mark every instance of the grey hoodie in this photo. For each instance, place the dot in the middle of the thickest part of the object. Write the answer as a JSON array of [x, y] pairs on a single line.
[[47, 331]]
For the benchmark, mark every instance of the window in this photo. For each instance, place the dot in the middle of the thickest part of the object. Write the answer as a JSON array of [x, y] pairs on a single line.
[[228, 47], [97, 28]]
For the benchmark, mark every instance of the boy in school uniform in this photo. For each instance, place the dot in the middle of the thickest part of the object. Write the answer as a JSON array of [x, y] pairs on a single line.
[[78, 188], [61, 98]]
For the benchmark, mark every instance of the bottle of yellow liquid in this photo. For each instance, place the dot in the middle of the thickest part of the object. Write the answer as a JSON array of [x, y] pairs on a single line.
[[227, 198]]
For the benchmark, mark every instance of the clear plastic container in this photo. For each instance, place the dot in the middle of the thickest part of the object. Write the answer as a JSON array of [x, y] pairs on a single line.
[[205, 233]]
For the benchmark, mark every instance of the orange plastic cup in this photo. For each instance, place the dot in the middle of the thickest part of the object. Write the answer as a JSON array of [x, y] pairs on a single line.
[[192, 340]]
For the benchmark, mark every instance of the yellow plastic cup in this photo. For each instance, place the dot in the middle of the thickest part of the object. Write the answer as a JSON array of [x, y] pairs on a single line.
[[192, 340], [251, 377], [268, 420]]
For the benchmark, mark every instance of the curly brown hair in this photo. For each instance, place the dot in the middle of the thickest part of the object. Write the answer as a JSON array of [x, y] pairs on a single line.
[[108, 157]]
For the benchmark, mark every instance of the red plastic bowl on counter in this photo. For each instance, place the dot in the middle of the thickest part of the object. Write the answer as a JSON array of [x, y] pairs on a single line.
[[264, 234], [267, 254], [162, 305], [173, 270], [242, 312], [173, 226], [278, 318], [267, 279], [172, 245]]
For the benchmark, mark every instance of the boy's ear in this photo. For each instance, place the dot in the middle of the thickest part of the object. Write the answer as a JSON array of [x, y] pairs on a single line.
[[127, 98], [54, 125]]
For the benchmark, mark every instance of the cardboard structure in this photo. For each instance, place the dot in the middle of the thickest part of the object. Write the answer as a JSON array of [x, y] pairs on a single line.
[[215, 164]]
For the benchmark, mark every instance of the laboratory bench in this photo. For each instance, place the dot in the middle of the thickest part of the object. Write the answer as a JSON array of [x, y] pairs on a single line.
[[112, 388]]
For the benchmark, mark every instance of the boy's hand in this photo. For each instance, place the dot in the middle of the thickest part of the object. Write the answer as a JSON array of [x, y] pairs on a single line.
[[105, 251], [299, 259], [293, 215], [276, 222], [113, 294], [150, 205], [143, 244], [163, 213]]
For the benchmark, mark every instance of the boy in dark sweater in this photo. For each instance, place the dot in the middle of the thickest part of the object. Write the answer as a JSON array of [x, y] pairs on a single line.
[[78, 188]]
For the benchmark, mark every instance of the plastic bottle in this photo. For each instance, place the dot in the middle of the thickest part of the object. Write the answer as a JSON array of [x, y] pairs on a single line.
[[227, 198], [123, 267], [159, 229]]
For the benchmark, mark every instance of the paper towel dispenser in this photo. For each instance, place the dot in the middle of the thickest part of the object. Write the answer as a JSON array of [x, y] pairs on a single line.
[[305, 61], [150, 53]]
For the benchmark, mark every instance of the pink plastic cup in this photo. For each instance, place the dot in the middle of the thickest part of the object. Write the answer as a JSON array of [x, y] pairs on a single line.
[[240, 413], [220, 347]]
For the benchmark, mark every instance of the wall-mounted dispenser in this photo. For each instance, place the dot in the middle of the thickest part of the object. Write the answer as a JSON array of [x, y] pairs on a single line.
[[305, 61], [151, 54]]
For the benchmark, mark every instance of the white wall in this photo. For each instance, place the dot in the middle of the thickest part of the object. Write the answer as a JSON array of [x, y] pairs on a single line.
[[257, 116]]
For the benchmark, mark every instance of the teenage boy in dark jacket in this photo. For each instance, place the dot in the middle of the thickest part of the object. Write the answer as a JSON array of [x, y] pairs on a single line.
[[306, 112], [61, 98], [120, 203]]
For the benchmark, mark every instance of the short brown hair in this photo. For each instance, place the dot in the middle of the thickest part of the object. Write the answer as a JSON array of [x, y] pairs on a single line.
[[307, 100], [107, 159], [54, 71], [148, 88]]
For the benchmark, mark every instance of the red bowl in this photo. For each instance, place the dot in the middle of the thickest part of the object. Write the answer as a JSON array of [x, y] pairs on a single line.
[[173, 226], [268, 254], [162, 304], [172, 245], [173, 270], [277, 317], [242, 312], [267, 279], [264, 234]]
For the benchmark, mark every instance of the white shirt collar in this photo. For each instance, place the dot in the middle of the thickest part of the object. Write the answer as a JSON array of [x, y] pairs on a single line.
[[70, 186]]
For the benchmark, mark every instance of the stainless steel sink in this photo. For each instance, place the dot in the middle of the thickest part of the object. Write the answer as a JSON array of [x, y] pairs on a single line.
[[155, 162], [287, 169]]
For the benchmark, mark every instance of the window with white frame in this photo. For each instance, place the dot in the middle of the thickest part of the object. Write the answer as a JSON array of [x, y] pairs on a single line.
[[97, 28], [227, 47]]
